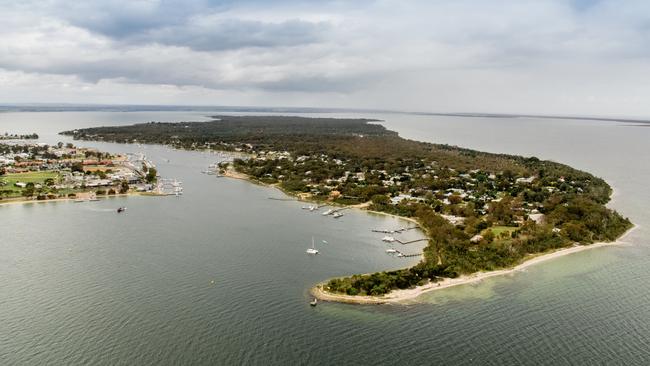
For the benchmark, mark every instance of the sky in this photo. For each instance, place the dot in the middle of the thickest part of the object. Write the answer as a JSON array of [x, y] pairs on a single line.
[[575, 57]]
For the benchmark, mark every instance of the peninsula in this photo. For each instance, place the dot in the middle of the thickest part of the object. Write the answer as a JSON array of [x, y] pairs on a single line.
[[482, 212]]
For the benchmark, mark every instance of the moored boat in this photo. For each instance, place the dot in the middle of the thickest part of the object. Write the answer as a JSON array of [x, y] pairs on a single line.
[[312, 250]]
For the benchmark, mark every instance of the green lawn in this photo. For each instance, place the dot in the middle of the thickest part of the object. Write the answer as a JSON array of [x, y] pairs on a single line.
[[30, 177], [497, 230]]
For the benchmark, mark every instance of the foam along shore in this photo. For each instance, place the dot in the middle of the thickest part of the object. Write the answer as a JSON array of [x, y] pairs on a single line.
[[406, 295]]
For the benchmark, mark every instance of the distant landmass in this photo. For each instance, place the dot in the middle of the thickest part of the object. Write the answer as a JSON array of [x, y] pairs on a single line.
[[54, 107]]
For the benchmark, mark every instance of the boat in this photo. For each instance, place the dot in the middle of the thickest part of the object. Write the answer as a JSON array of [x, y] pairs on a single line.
[[328, 212], [400, 254], [312, 250], [388, 239], [314, 302], [391, 250], [121, 209], [337, 215]]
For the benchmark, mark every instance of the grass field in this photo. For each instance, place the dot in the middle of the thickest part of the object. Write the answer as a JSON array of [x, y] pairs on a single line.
[[497, 230], [31, 177]]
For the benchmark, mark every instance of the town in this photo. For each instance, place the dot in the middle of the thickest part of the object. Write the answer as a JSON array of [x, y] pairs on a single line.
[[34, 171]]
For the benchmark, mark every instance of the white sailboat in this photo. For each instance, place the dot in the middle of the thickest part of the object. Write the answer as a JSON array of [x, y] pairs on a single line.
[[312, 250]]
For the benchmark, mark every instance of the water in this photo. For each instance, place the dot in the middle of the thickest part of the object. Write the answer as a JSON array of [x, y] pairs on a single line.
[[220, 276]]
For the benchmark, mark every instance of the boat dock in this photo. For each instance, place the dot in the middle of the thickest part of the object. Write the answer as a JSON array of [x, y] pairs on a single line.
[[411, 241], [409, 255], [396, 231]]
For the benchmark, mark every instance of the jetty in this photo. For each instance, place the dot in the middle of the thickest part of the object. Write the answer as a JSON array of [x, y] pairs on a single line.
[[411, 241], [407, 255], [395, 231]]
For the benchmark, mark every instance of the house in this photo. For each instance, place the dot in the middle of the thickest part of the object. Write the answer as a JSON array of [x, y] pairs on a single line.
[[537, 217], [476, 238], [399, 198], [335, 194], [525, 180]]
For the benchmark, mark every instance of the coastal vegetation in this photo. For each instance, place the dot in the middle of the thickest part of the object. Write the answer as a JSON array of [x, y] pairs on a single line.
[[480, 211]]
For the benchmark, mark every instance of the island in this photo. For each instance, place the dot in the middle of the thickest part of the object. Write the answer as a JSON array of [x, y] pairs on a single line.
[[39, 172], [481, 212]]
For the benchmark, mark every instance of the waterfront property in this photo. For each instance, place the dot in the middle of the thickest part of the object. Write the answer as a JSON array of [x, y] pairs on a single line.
[[31, 171]]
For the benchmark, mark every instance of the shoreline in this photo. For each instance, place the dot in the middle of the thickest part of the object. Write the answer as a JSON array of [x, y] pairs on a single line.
[[66, 199], [402, 296]]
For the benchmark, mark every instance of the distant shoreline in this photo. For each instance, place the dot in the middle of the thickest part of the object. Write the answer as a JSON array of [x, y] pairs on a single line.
[[402, 296]]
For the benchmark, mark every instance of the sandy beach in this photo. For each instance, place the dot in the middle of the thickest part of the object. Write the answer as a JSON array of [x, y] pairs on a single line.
[[402, 296]]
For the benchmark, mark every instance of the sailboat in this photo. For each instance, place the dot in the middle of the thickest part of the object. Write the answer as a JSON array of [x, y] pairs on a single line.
[[312, 250]]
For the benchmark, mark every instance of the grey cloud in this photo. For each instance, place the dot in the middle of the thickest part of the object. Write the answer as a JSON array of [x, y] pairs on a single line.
[[199, 25], [229, 34]]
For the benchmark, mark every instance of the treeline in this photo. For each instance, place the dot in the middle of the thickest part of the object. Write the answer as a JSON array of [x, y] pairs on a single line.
[[9, 136]]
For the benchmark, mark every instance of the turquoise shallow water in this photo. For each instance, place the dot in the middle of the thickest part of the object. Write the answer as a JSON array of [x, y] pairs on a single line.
[[80, 284]]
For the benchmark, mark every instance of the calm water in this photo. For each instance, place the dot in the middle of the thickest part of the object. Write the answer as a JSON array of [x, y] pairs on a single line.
[[220, 276]]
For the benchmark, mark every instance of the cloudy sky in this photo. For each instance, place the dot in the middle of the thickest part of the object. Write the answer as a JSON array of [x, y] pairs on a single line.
[[582, 57]]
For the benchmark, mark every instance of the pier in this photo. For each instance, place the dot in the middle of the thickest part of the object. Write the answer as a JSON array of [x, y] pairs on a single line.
[[409, 255], [411, 241], [396, 231]]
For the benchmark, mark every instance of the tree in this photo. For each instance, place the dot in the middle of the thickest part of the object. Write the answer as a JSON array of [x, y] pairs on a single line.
[[124, 187], [77, 167], [151, 175], [28, 191], [489, 236], [380, 199]]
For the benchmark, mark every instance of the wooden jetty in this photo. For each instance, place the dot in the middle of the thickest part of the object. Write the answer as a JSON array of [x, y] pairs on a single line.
[[403, 255], [411, 241], [396, 231]]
